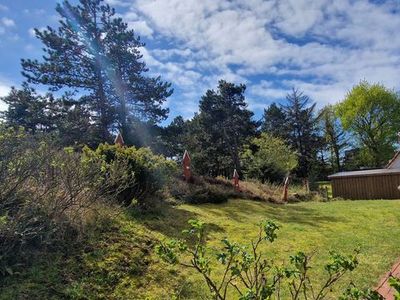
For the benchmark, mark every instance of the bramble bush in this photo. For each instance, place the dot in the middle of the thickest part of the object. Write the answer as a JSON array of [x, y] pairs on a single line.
[[250, 275]]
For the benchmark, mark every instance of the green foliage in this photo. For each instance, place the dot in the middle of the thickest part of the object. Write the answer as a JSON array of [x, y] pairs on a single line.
[[354, 293], [334, 137], [94, 52], [395, 283], [25, 109], [174, 138], [48, 196], [247, 272], [274, 121], [67, 120], [268, 158], [371, 112], [150, 172], [301, 130], [296, 123], [216, 135]]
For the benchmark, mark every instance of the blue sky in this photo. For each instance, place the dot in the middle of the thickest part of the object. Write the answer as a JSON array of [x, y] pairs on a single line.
[[321, 47]]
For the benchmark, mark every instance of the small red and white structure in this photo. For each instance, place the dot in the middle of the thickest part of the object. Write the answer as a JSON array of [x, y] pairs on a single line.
[[119, 140], [187, 173], [236, 180]]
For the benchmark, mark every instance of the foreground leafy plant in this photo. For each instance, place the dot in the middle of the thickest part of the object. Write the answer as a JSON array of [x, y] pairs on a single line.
[[249, 274], [395, 283]]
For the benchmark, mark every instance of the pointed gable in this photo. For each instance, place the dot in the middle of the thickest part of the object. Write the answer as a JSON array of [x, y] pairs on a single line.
[[119, 140], [186, 157], [394, 163]]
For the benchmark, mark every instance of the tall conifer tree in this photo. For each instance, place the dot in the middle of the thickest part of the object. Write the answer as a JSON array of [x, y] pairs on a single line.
[[302, 130], [95, 53], [223, 126]]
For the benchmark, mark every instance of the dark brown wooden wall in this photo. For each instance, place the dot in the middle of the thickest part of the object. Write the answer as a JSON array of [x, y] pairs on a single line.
[[367, 187]]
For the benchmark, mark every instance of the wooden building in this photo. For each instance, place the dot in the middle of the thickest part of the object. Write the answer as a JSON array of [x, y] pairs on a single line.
[[369, 184]]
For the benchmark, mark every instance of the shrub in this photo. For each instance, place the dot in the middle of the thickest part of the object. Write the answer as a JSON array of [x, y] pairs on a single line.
[[47, 196], [268, 158], [150, 172], [249, 274]]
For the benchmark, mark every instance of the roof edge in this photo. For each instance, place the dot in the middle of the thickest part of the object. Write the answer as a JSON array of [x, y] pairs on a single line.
[[364, 173], [389, 164]]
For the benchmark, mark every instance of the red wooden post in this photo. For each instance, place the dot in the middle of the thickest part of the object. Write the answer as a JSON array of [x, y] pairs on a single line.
[[186, 166], [236, 180], [119, 140], [285, 189]]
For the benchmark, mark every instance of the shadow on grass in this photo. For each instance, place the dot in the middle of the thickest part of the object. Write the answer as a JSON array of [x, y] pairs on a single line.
[[246, 210], [170, 220]]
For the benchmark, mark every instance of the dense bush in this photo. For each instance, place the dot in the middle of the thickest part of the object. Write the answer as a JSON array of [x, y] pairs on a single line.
[[48, 195], [151, 172]]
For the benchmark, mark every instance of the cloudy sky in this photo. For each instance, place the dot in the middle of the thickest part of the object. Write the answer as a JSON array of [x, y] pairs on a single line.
[[322, 47]]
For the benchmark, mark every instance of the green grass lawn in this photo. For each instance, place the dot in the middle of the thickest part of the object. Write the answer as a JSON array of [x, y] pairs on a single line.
[[120, 264]]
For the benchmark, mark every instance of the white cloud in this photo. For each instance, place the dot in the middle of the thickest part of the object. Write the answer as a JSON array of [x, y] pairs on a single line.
[[267, 91], [141, 28], [31, 32], [322, 47], [7, 22], [4, 90], [117, 3], [36, 11], [3, 7], [172, 71]]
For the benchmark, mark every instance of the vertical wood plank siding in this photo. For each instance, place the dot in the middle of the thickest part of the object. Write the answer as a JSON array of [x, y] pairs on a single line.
[[367, 187]]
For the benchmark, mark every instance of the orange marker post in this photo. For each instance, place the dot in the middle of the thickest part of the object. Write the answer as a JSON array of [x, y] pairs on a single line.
[[285, 189], [236, 180]]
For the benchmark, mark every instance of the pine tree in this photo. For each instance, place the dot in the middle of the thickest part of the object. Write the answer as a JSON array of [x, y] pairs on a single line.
[[274, 121], [63, 117], [25, 108], [302, 130], [73, 123], [223, 126], [95, 53]]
